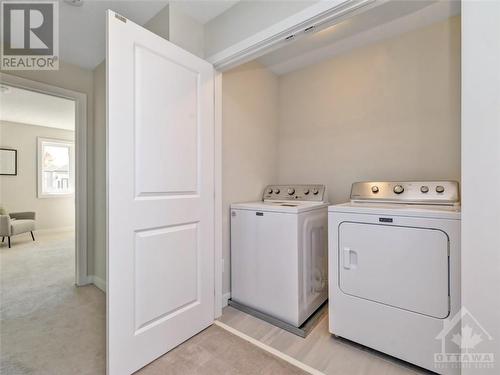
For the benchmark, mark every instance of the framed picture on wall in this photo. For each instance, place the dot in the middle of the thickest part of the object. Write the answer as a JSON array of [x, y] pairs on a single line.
[[8, 162]]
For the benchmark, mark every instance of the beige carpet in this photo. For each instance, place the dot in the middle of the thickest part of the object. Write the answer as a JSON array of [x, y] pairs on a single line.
[[47, 325], [217, 352]]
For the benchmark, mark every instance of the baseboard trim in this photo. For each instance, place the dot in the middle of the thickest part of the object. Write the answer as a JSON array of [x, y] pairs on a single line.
[[225, 298], [55, 230], [84, 281], [98, 282], [269, 349]]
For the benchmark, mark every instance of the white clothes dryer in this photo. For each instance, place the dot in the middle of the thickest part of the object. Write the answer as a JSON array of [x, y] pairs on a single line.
[[394, 265]]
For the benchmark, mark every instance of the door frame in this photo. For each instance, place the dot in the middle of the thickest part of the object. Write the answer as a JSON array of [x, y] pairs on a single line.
[[218, 206], [81, 125], [319, 15]]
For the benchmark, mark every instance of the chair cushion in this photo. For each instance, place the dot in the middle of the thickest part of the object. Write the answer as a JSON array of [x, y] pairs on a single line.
[[22, 226]]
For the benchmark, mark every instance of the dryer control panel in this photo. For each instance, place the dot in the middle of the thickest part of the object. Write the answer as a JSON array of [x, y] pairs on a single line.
[[312, 193], [407, 192]]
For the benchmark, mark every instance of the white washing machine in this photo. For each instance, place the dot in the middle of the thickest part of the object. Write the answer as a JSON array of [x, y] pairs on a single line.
[[394, 263], [279, 250]]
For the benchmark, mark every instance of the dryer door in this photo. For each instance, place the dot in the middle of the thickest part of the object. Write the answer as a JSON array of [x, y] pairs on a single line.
[[403, 267]]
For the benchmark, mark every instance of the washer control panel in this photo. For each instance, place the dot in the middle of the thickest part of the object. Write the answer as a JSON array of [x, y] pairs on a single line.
[[313, 193], [407, 192]]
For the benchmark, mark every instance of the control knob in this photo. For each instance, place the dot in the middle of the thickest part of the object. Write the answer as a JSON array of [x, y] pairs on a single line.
[[277, 191], [439, 189], [291, 191], [398, 189], [375, 189], [424, 189], [269, 191], [306, 191], [315, 191]]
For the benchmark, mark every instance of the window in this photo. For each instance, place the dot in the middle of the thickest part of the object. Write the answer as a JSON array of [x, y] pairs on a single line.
[[56, 168]]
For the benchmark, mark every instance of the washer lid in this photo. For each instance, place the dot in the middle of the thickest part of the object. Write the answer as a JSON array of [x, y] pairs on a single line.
[[279, 206], [414, 210]]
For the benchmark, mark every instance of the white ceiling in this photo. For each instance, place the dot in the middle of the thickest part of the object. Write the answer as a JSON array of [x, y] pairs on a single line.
[[381, 22], [34, 108]]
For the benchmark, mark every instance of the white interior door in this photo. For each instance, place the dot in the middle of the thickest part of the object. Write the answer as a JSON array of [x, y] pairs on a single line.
[[160, 279]]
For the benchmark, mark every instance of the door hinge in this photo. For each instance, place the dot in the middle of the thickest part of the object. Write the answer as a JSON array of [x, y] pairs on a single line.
[[121, 18]]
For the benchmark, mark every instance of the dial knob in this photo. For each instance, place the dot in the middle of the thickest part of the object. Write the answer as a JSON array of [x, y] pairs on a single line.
[[439, 189], [424, 189], [398, 189], [315, 191], [269, 191], [375, 189], [306, 191], [277, 191], [291, 191]]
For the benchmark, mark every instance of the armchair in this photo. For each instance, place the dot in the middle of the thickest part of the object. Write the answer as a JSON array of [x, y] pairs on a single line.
[[17, 223]]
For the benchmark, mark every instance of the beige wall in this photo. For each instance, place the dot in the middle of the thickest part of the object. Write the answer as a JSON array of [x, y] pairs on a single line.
[[19, 193], [160, 23], [388, 111], [185, 31], [174, 25], [249, 139]]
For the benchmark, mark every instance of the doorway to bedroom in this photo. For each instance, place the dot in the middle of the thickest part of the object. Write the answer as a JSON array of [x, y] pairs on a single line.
[[43, 257], [38, 179]]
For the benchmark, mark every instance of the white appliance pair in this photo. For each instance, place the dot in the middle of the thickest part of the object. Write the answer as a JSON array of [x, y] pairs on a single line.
[[394, 265], [279, 250]]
